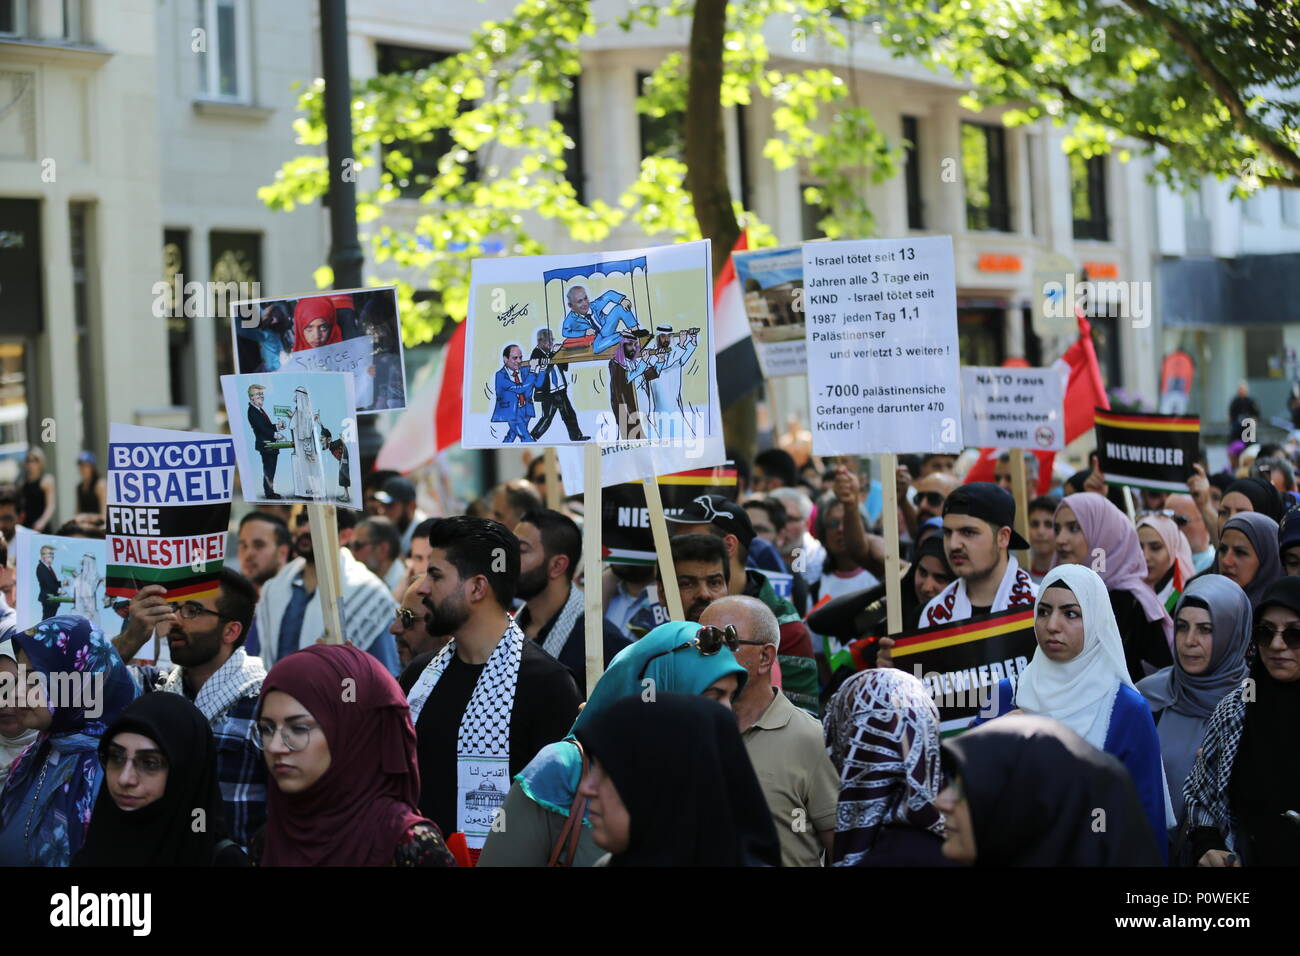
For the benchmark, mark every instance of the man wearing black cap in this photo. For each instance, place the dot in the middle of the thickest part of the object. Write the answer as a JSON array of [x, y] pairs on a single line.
[[977, 538], [398, 501], [722, 518]]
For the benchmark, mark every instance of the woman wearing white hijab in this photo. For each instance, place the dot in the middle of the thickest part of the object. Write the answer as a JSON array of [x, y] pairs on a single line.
[[14, 738], [1079, 676]]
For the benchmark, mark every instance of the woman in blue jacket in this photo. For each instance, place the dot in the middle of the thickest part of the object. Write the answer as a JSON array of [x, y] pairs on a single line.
[[1079, 676]]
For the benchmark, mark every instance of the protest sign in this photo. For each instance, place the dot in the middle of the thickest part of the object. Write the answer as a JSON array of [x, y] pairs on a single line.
[[169, 496], [615, 347], [1012, 407], [961, 664], [353, 331], [305, 420], [772, 283], [882, 346], [58, 576], [1147, 451], [625, 516]]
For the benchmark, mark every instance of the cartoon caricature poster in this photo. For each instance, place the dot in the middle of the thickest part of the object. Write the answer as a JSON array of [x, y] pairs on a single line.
[[610, 347], [58, 576]]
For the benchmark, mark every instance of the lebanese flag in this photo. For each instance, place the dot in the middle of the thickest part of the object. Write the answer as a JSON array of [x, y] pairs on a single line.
[[1084, 392], [431, 422], [738, 370]]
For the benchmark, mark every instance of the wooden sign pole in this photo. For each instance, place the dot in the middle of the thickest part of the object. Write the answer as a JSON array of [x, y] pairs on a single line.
[[553, 496], [1019, 490], [325, 546], [893, 566], [671, 598], [591, 566]]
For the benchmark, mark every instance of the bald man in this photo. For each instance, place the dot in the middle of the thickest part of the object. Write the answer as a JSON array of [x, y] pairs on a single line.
[[784, 743], [1194, 530], [927, 502]]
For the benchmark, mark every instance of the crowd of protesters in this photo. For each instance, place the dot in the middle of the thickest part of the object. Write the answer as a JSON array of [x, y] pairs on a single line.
[[771, 727]]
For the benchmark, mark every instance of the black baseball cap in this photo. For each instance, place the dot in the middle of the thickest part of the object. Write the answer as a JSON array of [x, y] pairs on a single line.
[[397, 490], [722, 513], [988, 502]]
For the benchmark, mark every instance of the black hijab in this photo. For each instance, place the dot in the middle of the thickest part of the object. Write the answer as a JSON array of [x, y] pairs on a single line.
[[1264, 498], [164, 832], [1034, 788], [682, 771]]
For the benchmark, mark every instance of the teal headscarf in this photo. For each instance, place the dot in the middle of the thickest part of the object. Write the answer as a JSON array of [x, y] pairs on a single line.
[[551, 778]]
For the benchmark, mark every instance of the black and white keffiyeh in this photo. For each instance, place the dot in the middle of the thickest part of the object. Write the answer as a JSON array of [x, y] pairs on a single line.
[[564, 621], [1206, 788], [240, 676]]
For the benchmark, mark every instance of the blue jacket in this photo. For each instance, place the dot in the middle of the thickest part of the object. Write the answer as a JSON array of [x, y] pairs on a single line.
[[1132, 739], [508, 408], [576, 326]]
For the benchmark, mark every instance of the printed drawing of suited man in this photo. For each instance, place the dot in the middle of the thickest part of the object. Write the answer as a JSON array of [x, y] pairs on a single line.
[[264, 431], [514, 394], [553, 390], [585, 317]]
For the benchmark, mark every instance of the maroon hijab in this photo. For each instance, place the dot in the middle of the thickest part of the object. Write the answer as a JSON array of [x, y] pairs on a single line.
[[356, 813]]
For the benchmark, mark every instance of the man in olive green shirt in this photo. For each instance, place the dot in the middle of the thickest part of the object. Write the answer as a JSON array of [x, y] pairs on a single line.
[[784, 743]]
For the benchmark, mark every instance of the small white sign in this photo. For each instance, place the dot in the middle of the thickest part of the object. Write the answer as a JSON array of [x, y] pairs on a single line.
[[1013, 408], [882, 346]]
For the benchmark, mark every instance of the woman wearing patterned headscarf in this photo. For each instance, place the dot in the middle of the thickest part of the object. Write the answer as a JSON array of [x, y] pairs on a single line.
[[75, 686], [882, 732], [1248, 553], [1211, 633], [538, 804], [1092, 532]]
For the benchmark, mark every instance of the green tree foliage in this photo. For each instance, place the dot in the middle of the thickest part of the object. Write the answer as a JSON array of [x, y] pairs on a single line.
[[1206, 86]]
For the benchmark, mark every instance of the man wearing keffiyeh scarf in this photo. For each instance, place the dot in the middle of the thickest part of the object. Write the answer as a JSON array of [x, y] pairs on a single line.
[[46, 803]]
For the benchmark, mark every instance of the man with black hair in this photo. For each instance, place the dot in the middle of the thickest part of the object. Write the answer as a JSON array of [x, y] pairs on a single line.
[[550, 549], [8, 616], [512, 499], [264, 544], [703, 576], [10, 516], [417, 558], [289, 613], [378, 545], [205, 635], [487, 702], [397, 501], [1042, 536], [774, 468]]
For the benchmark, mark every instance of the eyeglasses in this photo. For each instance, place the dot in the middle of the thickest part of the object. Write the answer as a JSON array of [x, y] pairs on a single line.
[[295, 736], [932, 498], [147, 765], [1265, 632], [405, 618], [708, 640], [189, 611]]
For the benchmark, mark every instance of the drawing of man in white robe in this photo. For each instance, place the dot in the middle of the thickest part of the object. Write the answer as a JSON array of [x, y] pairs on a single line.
[[308, 467], [670, 416], [86, 590]]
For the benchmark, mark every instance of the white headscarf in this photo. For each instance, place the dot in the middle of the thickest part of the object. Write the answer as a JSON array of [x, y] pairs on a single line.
[[11, 747], [1080, 693]]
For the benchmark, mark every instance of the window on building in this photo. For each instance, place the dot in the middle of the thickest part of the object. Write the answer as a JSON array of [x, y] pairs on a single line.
[[89, 386], [660, 135], [13, 18], [225, 58], [175, 268], [236, 257], [811, 214], [423, 154], [1291, 207], [72, 21], [569, 116], [912, 173], [1031, 170], [1256, 205], [1265, 349], [1088, 197], [984, 171]]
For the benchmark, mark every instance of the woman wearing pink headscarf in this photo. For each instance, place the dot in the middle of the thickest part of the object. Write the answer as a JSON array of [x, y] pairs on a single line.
[[1168, 556], [1093, 532]]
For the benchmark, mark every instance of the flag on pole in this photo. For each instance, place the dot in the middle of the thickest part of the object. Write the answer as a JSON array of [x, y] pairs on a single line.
[[431, 422]]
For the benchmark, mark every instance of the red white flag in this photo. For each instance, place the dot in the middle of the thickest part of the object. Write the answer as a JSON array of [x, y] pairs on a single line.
[[431, 421]]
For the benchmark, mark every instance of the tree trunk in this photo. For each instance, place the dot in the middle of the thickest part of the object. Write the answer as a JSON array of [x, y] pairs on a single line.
[[706, 153]]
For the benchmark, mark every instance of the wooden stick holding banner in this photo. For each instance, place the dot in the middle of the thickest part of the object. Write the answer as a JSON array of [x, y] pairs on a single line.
[[325, 545], [552, 470], [1019, 490], [893, 566], [672, 597], [594, 636]]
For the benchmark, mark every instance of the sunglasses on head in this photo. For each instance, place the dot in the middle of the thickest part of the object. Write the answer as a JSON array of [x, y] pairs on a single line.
[[1174, 516], [708, 640], [1265, 632]]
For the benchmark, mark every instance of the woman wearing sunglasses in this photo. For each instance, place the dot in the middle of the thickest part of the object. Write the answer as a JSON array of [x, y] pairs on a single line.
[[679, 657], [1243, 794], [336, 734], [160, 804], [1211, 634]]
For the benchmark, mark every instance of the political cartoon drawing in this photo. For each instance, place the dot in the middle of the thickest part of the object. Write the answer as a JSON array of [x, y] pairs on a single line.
[[295, 436], [355, 331], [624, 352], [58, 576]]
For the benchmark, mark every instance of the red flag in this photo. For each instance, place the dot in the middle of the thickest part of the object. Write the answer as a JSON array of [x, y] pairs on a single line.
[[431, 421], [1083, 393], [451, 398]]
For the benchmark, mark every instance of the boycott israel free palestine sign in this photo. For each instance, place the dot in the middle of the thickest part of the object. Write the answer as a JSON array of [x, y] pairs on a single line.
[[962, 663], [1147, 451], [883, 365], [169, 496]]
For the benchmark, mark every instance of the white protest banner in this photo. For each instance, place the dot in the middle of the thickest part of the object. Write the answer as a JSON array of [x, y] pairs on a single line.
[[169, 496], [351, 357], [1013, 407], [882, 346]]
